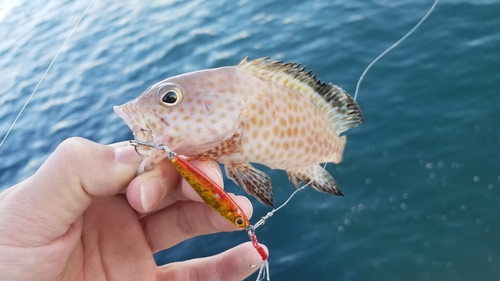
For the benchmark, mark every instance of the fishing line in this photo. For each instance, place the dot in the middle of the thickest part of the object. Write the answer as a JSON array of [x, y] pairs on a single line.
[[271, 213], [394, 46], [44, 74]]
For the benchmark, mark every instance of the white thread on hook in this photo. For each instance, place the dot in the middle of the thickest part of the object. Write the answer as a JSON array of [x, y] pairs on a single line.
[[264, 272]]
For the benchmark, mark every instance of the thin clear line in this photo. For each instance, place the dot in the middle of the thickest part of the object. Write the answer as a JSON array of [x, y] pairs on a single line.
[[43, 76], [393, 46]]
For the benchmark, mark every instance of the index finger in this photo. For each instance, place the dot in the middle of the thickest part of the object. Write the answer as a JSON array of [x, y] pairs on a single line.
[[51, 200], [163, 186]]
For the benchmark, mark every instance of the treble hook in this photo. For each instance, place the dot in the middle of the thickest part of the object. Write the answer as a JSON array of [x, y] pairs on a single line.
[[160, 146], [137, 144], [136, 148]]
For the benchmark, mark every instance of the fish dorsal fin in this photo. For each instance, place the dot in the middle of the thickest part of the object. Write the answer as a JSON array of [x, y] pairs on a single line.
[[341, 110]]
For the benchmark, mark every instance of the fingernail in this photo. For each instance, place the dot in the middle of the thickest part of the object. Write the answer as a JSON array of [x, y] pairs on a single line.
[[127, 155], [152, 191], [246, 206]]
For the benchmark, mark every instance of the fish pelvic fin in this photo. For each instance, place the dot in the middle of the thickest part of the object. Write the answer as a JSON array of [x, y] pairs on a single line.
[[316, 177], [253, 181], [340, 108]]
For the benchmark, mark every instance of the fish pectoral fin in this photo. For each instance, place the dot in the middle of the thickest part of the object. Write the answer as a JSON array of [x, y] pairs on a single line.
[[253, 181], [316, 177]]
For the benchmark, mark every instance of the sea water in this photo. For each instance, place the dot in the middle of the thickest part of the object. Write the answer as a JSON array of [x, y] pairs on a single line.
[[421, 177]]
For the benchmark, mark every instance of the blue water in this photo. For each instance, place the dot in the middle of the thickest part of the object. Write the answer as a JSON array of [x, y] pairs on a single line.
[[421, 177]]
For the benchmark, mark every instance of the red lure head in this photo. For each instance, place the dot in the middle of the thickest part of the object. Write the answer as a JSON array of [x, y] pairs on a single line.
[[253, 238]]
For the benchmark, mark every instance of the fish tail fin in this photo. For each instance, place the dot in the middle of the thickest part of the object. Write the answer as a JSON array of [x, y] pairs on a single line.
[[253, 181], [315, 176]]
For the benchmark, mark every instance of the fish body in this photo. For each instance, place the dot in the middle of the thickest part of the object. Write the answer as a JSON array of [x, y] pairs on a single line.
[[258, 111]]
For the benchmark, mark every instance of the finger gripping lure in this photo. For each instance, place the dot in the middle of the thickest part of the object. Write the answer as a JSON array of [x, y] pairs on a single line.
[[215, 197], [209, 191]]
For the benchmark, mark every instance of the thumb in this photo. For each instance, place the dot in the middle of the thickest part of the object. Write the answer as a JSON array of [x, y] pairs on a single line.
[[51, 200]]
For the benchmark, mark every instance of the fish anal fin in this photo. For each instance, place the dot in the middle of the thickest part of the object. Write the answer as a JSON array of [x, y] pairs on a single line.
[[316, 177], [253, 181]]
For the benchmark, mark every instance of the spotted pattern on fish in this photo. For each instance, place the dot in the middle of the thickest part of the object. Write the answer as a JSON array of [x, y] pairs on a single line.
[[228, 146], [258, 111]]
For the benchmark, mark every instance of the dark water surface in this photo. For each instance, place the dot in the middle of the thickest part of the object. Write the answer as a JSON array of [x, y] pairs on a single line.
[[421, 177]]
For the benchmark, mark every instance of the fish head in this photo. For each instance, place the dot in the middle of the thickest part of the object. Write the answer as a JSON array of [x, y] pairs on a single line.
[[190, 113]]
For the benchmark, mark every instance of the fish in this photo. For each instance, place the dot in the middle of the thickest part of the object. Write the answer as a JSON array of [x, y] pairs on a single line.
[[259, 111]]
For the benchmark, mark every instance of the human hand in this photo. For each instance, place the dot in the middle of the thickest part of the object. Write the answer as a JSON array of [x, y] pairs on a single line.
[[82, 216]]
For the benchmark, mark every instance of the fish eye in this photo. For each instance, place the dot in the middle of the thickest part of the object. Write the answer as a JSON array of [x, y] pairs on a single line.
[[169, 94], [240, 221]]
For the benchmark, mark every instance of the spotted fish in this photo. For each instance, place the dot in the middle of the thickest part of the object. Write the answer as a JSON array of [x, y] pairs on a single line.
[[259, 111]]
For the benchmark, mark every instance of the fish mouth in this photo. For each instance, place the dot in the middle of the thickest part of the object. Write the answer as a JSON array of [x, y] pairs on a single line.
[[140, 129], [142, 132]]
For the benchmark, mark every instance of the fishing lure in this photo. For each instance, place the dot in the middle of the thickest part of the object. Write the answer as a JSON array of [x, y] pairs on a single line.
[[213, 196], [221, 202], [209, 191]]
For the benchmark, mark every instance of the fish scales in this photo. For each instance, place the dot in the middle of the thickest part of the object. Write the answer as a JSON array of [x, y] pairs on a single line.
[[258, 111]]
